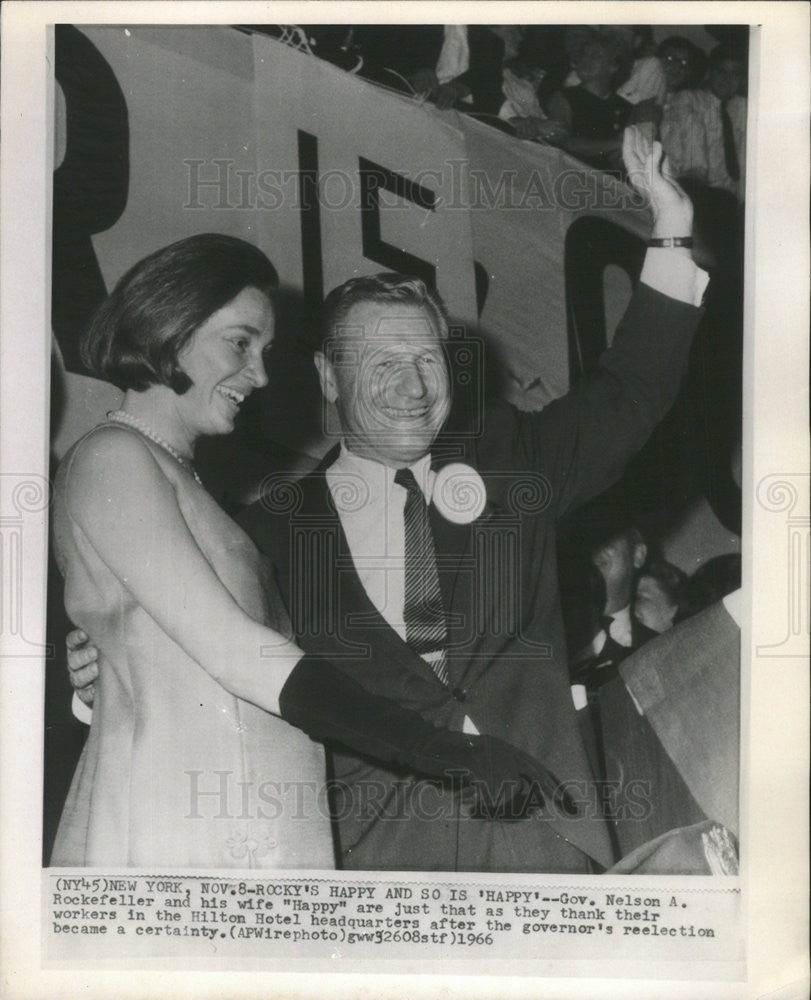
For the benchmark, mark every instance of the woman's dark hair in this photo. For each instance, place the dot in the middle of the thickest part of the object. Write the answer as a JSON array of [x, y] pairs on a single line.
[[136, 336], [613, 46]]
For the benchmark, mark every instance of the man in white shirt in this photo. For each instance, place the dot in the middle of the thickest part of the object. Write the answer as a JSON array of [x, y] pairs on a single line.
[[339, 544], [704, 131], [487, 652]]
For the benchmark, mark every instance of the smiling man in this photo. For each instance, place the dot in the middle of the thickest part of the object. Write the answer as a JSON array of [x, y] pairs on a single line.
[[452, 608], [422, 561], [384, 367]]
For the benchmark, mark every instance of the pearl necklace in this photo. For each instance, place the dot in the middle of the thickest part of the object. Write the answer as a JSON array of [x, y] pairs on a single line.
[[122, 417]]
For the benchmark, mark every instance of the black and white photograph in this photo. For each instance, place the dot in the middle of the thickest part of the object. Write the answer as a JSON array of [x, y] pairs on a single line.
[[449, 507], [400, 466]]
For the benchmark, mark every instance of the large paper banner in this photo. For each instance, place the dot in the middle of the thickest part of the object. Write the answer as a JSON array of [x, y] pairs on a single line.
[[200, 129]]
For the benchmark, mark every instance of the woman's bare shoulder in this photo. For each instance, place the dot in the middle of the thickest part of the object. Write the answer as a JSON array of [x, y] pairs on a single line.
[[107, 457]]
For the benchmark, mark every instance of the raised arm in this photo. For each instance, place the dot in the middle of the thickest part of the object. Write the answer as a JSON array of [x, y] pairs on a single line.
[[583, 440], [650, 173]]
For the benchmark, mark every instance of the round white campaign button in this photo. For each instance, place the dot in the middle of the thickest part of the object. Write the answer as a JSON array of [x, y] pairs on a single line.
[[459, 493]]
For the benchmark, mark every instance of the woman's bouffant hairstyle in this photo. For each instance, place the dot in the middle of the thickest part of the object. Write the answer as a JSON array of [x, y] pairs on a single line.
[[136, 336], [613, 46]]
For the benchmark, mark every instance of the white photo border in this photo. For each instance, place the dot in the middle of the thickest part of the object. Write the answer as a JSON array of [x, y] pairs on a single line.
[[775, 689]]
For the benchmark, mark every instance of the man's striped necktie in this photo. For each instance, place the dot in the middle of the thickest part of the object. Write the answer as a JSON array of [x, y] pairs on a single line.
[[424, 614]]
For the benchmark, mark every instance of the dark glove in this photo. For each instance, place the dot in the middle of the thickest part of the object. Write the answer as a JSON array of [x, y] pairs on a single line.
[[328, 705], [510, 784]]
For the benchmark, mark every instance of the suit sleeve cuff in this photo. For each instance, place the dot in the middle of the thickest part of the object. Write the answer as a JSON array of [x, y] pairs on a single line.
[[674, 274], [81, 711]]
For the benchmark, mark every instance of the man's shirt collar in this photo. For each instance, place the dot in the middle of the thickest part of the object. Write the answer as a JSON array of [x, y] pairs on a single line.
[[379, 477]]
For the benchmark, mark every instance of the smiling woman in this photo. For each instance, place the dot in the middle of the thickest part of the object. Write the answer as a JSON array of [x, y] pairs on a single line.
[[191, 319], [150, 560], [225, 362], [190, 759]]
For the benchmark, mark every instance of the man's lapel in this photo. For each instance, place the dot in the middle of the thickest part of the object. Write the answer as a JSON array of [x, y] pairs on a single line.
[[364, 631], [360, 623], [459, 581]]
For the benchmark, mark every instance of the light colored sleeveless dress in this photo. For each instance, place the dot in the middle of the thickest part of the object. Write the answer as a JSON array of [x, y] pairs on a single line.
[[176, 771]]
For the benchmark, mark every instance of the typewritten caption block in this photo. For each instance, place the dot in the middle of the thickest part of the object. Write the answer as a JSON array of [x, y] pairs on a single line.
[[288, 916]]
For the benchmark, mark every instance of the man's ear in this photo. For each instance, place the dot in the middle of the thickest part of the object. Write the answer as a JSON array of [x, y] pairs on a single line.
[[640, 554], [326, 376]]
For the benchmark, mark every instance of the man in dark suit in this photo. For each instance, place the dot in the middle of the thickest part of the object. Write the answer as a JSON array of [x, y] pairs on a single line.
[[338, 541], [479, 644], [614, 565], [636, 775]]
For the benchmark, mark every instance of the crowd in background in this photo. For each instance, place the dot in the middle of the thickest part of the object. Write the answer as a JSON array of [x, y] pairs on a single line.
[[574, 86], [577, 88]]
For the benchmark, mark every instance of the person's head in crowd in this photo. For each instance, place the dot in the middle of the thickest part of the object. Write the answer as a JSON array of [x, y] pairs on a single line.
[[682, 62], [726, 72], [383, 365], [544, 45], [604, 62], [528, 66], [659, 595], [712, 580], [619, 557], [637, 38]]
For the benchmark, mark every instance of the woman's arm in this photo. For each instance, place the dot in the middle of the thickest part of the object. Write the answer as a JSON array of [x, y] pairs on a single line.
[[123, 503], [127, 509]]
